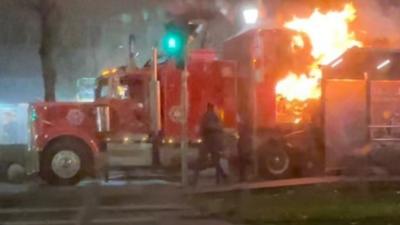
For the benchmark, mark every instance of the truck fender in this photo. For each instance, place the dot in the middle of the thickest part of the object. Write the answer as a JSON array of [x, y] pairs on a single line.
[[90, 143]]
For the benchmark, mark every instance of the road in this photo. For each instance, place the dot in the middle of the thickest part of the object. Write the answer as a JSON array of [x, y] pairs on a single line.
[[143, 202], [294, 182]]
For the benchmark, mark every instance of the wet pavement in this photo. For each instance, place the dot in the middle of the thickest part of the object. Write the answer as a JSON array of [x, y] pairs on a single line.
[[143, 202]]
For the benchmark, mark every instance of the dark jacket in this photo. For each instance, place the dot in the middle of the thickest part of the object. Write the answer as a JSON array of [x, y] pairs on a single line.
[[210, 124], [245, 140], [211, 131]]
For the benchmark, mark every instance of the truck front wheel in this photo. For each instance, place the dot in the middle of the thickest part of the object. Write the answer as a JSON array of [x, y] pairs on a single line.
[[275, 161], [65, 162]]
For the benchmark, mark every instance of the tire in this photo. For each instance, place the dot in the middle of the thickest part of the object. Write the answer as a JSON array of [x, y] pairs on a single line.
[[15, 173], [65, 162], [275, 161]]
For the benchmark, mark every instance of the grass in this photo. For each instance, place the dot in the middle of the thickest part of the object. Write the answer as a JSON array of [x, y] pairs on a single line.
[[366, 204]]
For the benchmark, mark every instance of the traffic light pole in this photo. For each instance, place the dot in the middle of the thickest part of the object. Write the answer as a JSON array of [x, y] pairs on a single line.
[[184, 127], [176, 43], [155, 110]]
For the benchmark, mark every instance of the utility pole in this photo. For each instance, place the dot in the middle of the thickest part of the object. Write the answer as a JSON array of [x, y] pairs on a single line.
[[155, 95], [176, 43], [184, 127], [185, 111], [155, 109], [262, 17]]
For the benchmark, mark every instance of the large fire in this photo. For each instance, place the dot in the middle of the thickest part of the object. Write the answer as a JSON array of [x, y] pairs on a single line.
[[329, 33], [330, 36]]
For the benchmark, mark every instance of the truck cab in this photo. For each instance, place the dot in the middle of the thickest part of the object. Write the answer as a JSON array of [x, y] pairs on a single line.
[[134, 121], [126, 94]]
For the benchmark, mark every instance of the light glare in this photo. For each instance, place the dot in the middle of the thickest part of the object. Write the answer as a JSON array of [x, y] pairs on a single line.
[[171, 43], [250, 16], [383, 64]]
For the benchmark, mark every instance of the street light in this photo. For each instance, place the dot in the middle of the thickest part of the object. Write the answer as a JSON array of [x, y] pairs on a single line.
[[250, 15]]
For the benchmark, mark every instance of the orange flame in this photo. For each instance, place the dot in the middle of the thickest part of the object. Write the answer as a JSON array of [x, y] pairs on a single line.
[[330, 37], [298, 87], [329, 33]]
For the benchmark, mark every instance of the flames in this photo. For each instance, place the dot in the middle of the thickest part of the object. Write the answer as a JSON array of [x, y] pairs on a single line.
[[329, 33], [301, 87], [330, 36]]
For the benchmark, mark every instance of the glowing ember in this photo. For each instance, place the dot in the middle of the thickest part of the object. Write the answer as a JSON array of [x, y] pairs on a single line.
[[330, 37]]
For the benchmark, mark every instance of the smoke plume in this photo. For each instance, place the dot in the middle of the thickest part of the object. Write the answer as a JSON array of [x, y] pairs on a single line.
[[377, 23]]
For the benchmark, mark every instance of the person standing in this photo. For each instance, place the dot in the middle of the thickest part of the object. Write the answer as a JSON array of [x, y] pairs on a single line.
[[211, 132]]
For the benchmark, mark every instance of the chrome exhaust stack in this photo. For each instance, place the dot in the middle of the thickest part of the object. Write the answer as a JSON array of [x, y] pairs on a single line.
[[103, 120]]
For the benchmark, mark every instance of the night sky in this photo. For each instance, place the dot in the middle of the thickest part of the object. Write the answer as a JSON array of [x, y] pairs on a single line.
[[93, 34]]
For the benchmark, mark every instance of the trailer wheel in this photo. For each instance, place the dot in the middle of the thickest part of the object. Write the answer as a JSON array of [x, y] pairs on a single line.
[[275, 161], [65, 162]]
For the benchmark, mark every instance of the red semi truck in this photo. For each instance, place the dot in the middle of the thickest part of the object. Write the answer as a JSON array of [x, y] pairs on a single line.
[[131, 106], [136, 117], [73, 137]]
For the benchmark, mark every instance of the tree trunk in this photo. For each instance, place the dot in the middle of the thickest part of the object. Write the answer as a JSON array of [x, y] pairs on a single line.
[[49, 75], [47, 11]]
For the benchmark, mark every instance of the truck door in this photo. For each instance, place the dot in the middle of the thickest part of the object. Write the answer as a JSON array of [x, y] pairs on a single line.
[[129, 107], [133, 124], [131, 111], [127, 144]]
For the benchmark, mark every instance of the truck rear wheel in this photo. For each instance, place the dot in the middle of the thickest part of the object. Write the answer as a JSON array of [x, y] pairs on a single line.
[[275, 161], [65, 162]]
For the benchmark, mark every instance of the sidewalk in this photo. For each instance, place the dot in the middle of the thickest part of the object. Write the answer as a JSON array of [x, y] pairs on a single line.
[[152, 202]]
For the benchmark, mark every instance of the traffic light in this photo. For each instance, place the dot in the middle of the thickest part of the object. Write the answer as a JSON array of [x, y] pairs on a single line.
[[173, 43]]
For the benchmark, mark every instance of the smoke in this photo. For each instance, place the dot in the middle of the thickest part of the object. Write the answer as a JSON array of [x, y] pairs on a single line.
[[377, 23]]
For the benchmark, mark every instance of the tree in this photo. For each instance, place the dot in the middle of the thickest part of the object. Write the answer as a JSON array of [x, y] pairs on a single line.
[[49, 16]]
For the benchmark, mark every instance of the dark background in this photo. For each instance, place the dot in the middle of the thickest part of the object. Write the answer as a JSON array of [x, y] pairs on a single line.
[[93, 34]]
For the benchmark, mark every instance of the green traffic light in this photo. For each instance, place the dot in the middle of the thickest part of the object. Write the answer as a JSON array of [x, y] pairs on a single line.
[[171, 43]]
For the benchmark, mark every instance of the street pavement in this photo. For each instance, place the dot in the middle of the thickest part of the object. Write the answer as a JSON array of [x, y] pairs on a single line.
[[150, 201]]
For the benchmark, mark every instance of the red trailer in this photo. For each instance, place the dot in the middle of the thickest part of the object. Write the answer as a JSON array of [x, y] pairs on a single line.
[[282, 147], [345, 130], [361, 97]]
